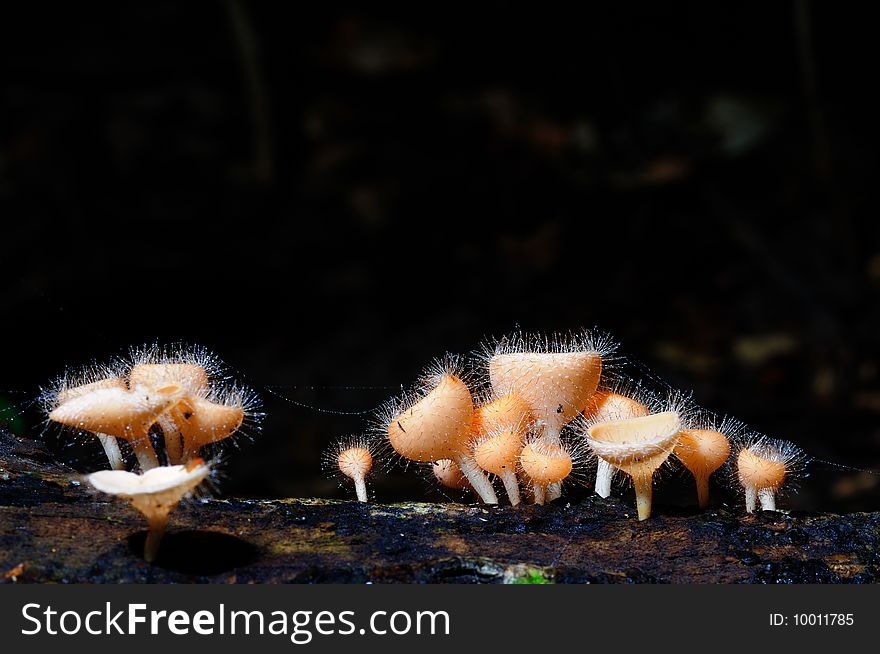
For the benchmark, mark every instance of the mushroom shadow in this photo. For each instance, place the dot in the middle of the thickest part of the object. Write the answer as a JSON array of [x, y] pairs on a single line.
[[196, 552]]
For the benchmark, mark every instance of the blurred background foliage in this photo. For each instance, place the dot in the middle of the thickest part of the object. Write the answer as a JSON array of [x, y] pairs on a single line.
[[329, 196]]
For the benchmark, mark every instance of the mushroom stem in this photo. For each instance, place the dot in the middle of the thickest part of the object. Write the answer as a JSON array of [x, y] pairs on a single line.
[[479, 482], [644, 488], [511, 485], [604, 475], [145, 453], [552, 435], [173, 439], [155, 531], [360, 488], [539, 493], [767, 498], [702, 480], [111, 449], [751, 496]]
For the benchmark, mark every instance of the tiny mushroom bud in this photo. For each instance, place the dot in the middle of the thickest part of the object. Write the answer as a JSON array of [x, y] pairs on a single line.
[[498, 431], [702, 451], [545, 463], [607, 406], [556, 380], [155, 493], [763, 465], [352, 458], [438, 426], [449, 475], [638, 446]]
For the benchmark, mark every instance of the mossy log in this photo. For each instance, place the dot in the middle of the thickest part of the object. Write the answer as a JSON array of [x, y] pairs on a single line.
[[53, 529]]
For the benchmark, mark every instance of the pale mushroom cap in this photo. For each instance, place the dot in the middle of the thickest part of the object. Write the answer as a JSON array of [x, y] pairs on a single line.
[[498, 452], [192, 377], [757, 472], [507, 412], [116, 411], [605, 406], [545, 463], [702, 450], [437, 426], [355, 462], [556, 386], [450, 475], [636, 445], [78, 391], [202, 422], [157, 481]]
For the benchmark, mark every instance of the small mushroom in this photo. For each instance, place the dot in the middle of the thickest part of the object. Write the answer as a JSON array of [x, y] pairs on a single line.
[[438, 426], [608, 406], [116, 411], [447, 472], [352, 458], [703, 450], [545, 463], [638, 446], [497, 435], [154, 493], [556, 380], [763, 465]]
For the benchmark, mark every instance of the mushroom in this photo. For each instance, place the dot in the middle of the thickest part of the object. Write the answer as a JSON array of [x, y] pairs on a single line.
[[497, 435], [555, 380], [638, 446], [155, 494], [447, 472], [437, 426], [763, 465], [545, 463], [703, 450], [111, 447], [608, 406], [116, 411], [352, 458]]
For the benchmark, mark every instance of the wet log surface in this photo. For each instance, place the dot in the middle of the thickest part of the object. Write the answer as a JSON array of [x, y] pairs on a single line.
[[53, 529]]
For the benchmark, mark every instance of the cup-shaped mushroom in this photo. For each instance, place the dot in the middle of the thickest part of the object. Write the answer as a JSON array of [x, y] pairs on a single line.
[[155, 494], [497, 453], [545, 464], [702, 451], [761, 475], [438, 426], [556, 386], [506, 412], [356, 463], [605, 406], [122, 413], [637, 446], [447, 472], [111, 447], [201, 422]]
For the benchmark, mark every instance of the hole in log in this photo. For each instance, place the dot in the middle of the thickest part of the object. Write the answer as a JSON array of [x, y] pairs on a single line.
[[196, 552]]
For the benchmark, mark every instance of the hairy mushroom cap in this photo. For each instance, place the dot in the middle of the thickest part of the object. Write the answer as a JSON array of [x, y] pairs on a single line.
[[70, 393], [506, 412], [159, 489], [202, 421], [450, 475], [116, 411], [636, 445], [545, 463], [437, 426], [702, 451], [605, 406], [192, 377], [355, 462], [497, 452], [760, 470]]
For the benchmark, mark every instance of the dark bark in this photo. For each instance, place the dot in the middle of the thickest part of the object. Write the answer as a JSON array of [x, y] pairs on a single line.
[[53, 529]]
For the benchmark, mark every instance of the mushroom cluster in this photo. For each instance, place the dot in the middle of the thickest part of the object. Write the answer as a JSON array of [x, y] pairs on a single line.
[[531, 411], [179, 392]]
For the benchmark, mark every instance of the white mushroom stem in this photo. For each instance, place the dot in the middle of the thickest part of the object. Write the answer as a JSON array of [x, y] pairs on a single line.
[[145, 453], [155, 531], [644, 490], [360, 488], [767, 498], [173, 439], [751, 496], [604, 475], [477, 478], [511, 485], [553, 491], [538, 494], [111, 449]]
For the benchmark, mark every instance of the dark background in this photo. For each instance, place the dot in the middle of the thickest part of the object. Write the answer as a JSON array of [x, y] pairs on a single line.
[[330, 196]]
